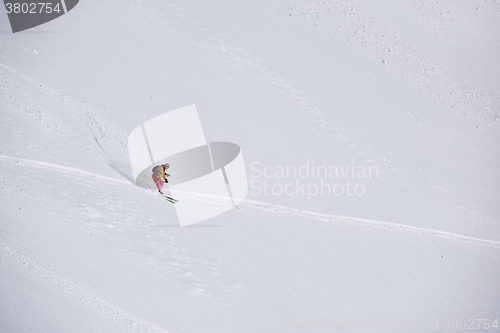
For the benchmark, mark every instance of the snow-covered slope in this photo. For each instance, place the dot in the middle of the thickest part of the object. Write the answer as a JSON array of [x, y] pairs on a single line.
[[408, 88]]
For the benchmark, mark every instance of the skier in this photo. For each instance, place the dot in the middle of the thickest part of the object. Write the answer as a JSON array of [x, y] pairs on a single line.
[[159, 176]]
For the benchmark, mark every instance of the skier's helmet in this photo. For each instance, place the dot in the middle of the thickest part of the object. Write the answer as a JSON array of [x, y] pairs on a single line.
[[166, 165]]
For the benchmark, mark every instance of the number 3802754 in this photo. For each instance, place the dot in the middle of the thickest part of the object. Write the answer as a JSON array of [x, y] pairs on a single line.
[[32, 8]]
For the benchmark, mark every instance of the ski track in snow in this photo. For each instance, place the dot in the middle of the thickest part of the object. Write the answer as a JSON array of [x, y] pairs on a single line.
[[64, 168], [338, 219], [123, 318]]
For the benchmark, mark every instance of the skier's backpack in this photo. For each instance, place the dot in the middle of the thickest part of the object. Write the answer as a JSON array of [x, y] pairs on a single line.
[[157, 171]]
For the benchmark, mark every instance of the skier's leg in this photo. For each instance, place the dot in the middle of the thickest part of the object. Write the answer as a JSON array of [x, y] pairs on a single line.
[[159, 183]]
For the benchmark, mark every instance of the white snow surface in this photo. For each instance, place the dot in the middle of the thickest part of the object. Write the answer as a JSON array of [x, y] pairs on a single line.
[[409, 87]]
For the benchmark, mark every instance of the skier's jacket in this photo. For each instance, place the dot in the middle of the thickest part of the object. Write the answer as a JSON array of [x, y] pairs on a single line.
[[159, 171]]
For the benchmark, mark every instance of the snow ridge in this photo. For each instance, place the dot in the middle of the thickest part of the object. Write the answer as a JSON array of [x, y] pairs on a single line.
[[122, 318], [259, 205], [63, 168]]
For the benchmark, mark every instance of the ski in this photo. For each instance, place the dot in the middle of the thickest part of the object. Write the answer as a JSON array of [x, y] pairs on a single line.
[[169, 199], [172, 200]]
